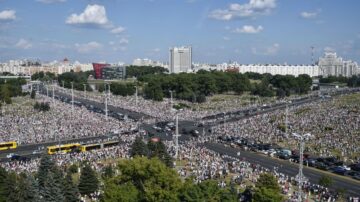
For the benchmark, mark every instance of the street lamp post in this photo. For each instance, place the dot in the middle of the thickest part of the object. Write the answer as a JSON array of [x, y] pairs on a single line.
[[107, 96], [53, 93], [177, 136], [300, 175], [84, 91], [136, 95], [72, 96]]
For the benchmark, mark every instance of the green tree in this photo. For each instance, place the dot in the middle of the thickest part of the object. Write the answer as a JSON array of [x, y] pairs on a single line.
[[3, 177], [267, 189], [32, 95], [154, 91], [158, 149], [138, 148], [70, 190], [52, 191], [89, 182], [325, 181], [11, 187], [28, 190], [151, 179], [108, 172], [126, 192], [266, 195], [46, 165]]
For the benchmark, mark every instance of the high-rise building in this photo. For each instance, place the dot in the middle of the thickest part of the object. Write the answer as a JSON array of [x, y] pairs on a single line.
[[332, 65], [180, 59]]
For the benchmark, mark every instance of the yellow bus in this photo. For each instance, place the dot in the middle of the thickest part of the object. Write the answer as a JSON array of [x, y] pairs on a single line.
[[90, 147], [62, 148], [8, 145]]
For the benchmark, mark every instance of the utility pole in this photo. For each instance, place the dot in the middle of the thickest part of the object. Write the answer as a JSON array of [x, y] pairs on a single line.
[[171, 99], [312, 55], [72, 96], [84, 91], [300, 177], [53, 93], [177, 137], [136, 95], [106, 102], [286, 118]]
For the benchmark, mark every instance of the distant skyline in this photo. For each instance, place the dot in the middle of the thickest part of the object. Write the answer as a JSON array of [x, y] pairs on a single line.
[[246, 31]]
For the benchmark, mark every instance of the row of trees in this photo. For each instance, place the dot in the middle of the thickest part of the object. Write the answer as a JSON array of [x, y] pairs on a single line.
[[10, 88], [151, 149], [77, 78], [41, 76], [353, 81], [48, 184], [123, 89], [143, 179], [139, 71], [195, 87]]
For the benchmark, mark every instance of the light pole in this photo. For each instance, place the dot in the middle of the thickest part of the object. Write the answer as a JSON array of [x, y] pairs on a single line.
[[63, 86], [300, 176], [177, 137], [47, 91], [53, 92], [136, 95], [72, 96], [106, 101], [286, 116], [171, 99], [84, 91]]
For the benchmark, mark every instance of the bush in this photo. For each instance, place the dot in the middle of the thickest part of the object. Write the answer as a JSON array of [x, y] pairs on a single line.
[[43, 106]]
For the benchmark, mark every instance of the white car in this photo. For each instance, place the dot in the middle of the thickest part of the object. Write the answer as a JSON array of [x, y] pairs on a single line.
[[10, 155], [346, 167]]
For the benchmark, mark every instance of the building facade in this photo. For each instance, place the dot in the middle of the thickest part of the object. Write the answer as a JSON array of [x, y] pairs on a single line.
[[332, 65], [113, 72], [180, 59]]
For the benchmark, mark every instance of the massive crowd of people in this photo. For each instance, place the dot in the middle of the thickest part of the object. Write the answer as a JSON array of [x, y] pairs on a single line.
[[323, 119], [22, 123], [334, 127]]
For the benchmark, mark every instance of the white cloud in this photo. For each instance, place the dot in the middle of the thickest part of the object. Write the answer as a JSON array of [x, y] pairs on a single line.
[[51, 1], [23, 44], [118, 30], [7, 15], [248, 29], [88, 47], [252, 9], [309, 15], [93, 15], [124, 41], [156, 50], [271, 50]]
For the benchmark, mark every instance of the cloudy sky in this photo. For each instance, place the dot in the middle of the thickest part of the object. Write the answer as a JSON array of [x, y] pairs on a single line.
[[247, 31]]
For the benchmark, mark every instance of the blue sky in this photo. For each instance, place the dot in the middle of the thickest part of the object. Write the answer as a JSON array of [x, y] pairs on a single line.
[[247, 31]]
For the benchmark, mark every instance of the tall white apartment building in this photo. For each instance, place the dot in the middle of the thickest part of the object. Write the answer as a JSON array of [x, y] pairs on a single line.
[[330, 65], [180, 59]]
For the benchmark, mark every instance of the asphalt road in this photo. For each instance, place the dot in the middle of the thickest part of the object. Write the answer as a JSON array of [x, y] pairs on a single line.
[[131, 114], [352, 186]]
